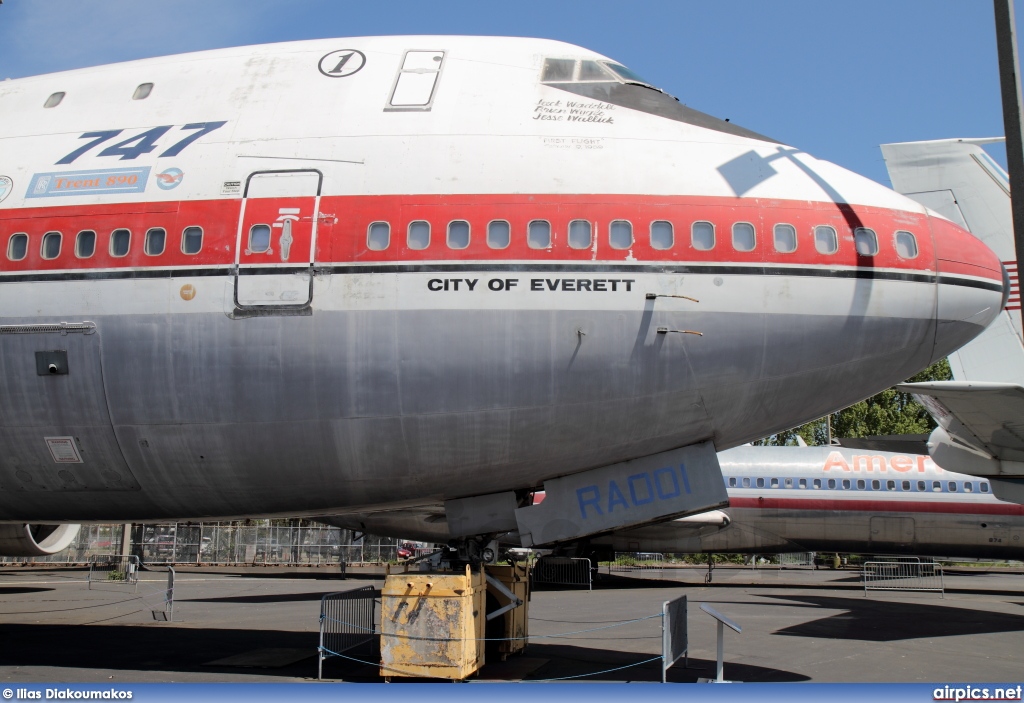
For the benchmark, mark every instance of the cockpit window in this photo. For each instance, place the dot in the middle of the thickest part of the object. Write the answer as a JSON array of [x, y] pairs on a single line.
[[627, 75], [558, 70], [593, 71]]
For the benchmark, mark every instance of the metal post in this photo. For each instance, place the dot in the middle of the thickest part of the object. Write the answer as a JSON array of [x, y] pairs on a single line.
[[126, 540], [721, 652], [1009, 83]]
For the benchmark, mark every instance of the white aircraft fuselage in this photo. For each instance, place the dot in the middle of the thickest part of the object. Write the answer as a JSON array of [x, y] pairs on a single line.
[[318, 277]]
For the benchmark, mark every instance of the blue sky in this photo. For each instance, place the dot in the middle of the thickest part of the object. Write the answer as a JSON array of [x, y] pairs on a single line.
[[835, 79]]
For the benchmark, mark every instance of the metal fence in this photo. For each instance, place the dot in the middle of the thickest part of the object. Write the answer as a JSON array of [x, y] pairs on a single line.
[[642, 564], [562, 571], [114, 570], [903, 576], [226, 543], [348, 620]]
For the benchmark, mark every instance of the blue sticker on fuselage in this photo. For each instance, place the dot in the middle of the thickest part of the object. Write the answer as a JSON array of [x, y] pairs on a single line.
[[107, 181]]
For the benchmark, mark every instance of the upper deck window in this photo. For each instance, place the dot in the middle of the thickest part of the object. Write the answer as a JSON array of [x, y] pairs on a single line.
[[416, 82], [589, 71], [662, 235], [702, 236], [785, 238], [826, 241], [142, 91], [499, 234], [191, 240], [580, 234], [17, 246], [866, 241], [54, 100], [85, 244], [378, 236], [558, 70], [538, 234], [51, 245], [906, 245], [458, 234], [419, 235], [120, 242], [156, 240], [743, 236], [620, 234]]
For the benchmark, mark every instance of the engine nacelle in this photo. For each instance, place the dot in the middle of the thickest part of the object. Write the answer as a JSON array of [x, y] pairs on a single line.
[[27, 540]]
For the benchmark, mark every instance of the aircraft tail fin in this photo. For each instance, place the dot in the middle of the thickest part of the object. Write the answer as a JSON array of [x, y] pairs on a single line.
[[957, 179]]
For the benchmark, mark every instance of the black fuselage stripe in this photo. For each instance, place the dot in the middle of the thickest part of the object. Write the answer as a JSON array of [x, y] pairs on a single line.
[[522, 268]]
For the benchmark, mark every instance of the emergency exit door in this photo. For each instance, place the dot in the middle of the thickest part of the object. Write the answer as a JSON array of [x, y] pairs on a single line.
[[277, 240]]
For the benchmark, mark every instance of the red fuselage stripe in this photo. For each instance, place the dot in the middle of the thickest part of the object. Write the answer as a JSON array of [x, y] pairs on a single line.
[[878, 506]]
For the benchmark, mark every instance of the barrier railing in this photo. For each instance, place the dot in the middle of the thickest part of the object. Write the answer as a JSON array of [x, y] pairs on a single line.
[[643, 564], [903, 576], [562, 571], [348, 620], [114, 569]]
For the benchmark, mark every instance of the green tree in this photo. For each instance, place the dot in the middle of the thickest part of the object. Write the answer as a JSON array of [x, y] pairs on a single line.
[[887, 413]]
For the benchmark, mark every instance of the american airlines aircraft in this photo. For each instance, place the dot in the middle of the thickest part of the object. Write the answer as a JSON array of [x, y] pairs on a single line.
[[342, 275]]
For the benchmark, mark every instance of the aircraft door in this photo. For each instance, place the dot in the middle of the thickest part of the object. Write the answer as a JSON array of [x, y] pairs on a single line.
[[277, 240]]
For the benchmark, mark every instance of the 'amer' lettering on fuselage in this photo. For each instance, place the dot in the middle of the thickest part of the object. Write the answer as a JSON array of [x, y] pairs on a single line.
[[872, 462]]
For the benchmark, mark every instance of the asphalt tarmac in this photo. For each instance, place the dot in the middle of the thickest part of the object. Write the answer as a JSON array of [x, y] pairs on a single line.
[[261, 625]]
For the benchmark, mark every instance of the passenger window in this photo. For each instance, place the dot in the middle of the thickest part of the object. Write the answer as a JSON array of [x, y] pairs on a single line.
[[826, 241], [937, 486], [846, 484], [419, 235], [831, 483], [785, 238], [191, 240], [803, 483], [620, 234], [746, 482], [499, 234], [875, 486], [732, 481], [906, 485], [743, 237], [378, 236], [121, 242], [142, 92], [760, 483], [983, 486], [458, 234], [662, 235], [968, 487], [259, 239], [579, 234], [156, 238], [702, 236], [789, 483], [17, 246], [861, 485], [557, 70], [890, 485], [906, 245], [865, 241], [538, 234], [817, 483], [54, 100], [775, 483], [921, 486], [952, 486], [51, 245], [85, 244]]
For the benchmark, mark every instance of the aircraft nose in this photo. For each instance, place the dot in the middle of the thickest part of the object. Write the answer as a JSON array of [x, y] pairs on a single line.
[[972, 286]]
